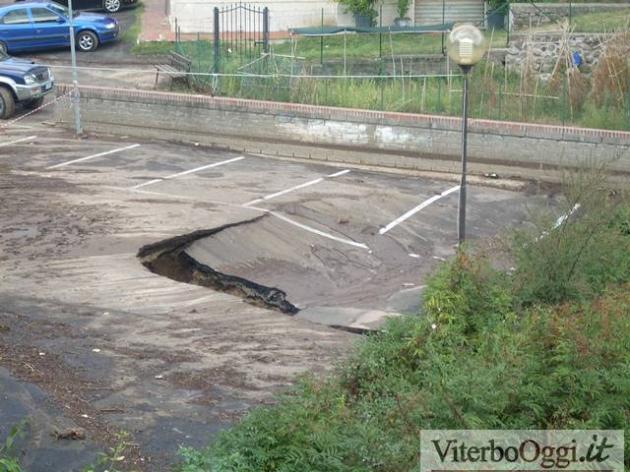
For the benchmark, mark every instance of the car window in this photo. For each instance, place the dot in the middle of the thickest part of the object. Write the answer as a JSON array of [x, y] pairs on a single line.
[[43, 15], [15, 17], [58, 9]]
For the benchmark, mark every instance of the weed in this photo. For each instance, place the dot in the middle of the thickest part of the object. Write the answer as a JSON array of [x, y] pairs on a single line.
[[8, 460], [111, 460]]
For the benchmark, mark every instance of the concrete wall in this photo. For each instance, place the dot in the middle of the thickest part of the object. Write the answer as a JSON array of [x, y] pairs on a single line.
[[196, 16], [526, 15], [397, 140]]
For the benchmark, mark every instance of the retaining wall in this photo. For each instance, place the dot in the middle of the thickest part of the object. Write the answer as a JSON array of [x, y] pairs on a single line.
[[546, 48], [396, 140]]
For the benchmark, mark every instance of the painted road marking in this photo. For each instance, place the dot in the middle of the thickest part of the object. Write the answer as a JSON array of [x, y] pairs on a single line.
[[563, 218], [93, 156], [560, 221], [187, 172], [297, 187], [28, 138], [310, 229], [415, 210]]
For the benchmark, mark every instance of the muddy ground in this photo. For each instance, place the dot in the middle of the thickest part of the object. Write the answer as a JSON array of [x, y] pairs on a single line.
[[90, 339], [94, 342]]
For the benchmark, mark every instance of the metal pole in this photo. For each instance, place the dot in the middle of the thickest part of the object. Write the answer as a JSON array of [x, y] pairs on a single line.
[[443, 20], [461, 226], [321, 42], [380, 35], [76, 101], [266, 30], [217, 40]]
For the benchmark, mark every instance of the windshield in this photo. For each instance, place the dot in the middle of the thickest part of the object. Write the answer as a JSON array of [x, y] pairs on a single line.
[[59, 9]]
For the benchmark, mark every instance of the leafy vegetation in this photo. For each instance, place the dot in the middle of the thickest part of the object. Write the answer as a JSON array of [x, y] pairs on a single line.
[[130, 36], [402, 8], [542, 346], [366, 8], [113, 459], [8, 460]]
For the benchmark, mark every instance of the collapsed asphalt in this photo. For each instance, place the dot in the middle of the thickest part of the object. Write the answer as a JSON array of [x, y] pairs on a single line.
[[173, 363]]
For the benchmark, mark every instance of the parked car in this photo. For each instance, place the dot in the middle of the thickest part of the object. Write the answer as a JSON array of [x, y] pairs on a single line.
[[22, 81], [110, 6], [37, 26]]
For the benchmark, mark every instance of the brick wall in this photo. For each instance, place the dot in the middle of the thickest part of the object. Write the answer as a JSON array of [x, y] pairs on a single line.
[[398, 140]]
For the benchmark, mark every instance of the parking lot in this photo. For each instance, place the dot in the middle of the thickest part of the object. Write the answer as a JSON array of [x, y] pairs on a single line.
[[142, 352]]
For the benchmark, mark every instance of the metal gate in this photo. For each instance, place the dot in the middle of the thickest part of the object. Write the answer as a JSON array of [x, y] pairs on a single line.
[[241, 33]]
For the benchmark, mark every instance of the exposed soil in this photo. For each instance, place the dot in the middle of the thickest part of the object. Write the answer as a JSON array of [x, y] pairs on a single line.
[[169, 259]]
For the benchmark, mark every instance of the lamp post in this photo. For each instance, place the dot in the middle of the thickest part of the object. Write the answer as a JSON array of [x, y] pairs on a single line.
[[466, 46]]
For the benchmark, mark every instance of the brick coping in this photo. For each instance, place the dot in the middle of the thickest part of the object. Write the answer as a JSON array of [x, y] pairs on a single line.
[[353, 114]]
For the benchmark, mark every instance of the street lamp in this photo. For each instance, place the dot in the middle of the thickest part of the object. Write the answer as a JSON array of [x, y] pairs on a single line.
[[466, 46]]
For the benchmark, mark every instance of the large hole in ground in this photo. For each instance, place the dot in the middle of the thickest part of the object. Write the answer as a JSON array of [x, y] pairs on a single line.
[[170, 259]]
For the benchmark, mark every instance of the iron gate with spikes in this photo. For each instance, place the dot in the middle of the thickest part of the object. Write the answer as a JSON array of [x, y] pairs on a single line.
[[241, 32]]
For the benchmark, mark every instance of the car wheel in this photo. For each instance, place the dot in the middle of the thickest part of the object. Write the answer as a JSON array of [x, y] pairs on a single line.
[[111, 6], [35, 103], [87, 41], [3, 48], [7, 104]]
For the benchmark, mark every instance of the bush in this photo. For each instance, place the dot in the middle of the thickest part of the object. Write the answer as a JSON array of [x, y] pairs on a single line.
[[361, 7]]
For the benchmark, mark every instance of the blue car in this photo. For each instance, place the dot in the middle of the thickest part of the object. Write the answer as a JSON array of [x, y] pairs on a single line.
[[37, 26], [24, 82]]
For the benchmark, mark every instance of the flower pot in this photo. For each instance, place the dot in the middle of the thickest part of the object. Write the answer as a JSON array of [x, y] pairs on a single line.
[[362, 20], [403, 22], [496, 19]]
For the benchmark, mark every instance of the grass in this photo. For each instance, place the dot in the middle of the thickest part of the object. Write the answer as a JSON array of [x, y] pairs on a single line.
[[370, 46], [543, 346], [151, 48], [602, 22], [595, 22], [130, 36], [579, 100], [363, 46]]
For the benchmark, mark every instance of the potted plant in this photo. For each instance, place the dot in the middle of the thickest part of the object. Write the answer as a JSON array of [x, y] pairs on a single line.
[[497, 11], [402, 7], [364, 11]]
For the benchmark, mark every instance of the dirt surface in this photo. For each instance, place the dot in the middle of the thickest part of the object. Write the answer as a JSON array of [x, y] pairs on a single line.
[[92, 341]]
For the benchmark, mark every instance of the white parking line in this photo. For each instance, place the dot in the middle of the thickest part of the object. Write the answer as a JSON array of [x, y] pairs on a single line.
[[316, 231], [563, 218], [28, 138], [100, 154], [415, 210], [297, 187], [187, 172], [560, 221]]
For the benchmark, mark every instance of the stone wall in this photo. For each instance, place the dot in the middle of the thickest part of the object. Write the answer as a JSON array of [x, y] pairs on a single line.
[[360, 137], [525, 15], [546, 48]]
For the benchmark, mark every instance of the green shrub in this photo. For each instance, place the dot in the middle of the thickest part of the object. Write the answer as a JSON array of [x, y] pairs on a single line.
[[491, 351], [581, 257]]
